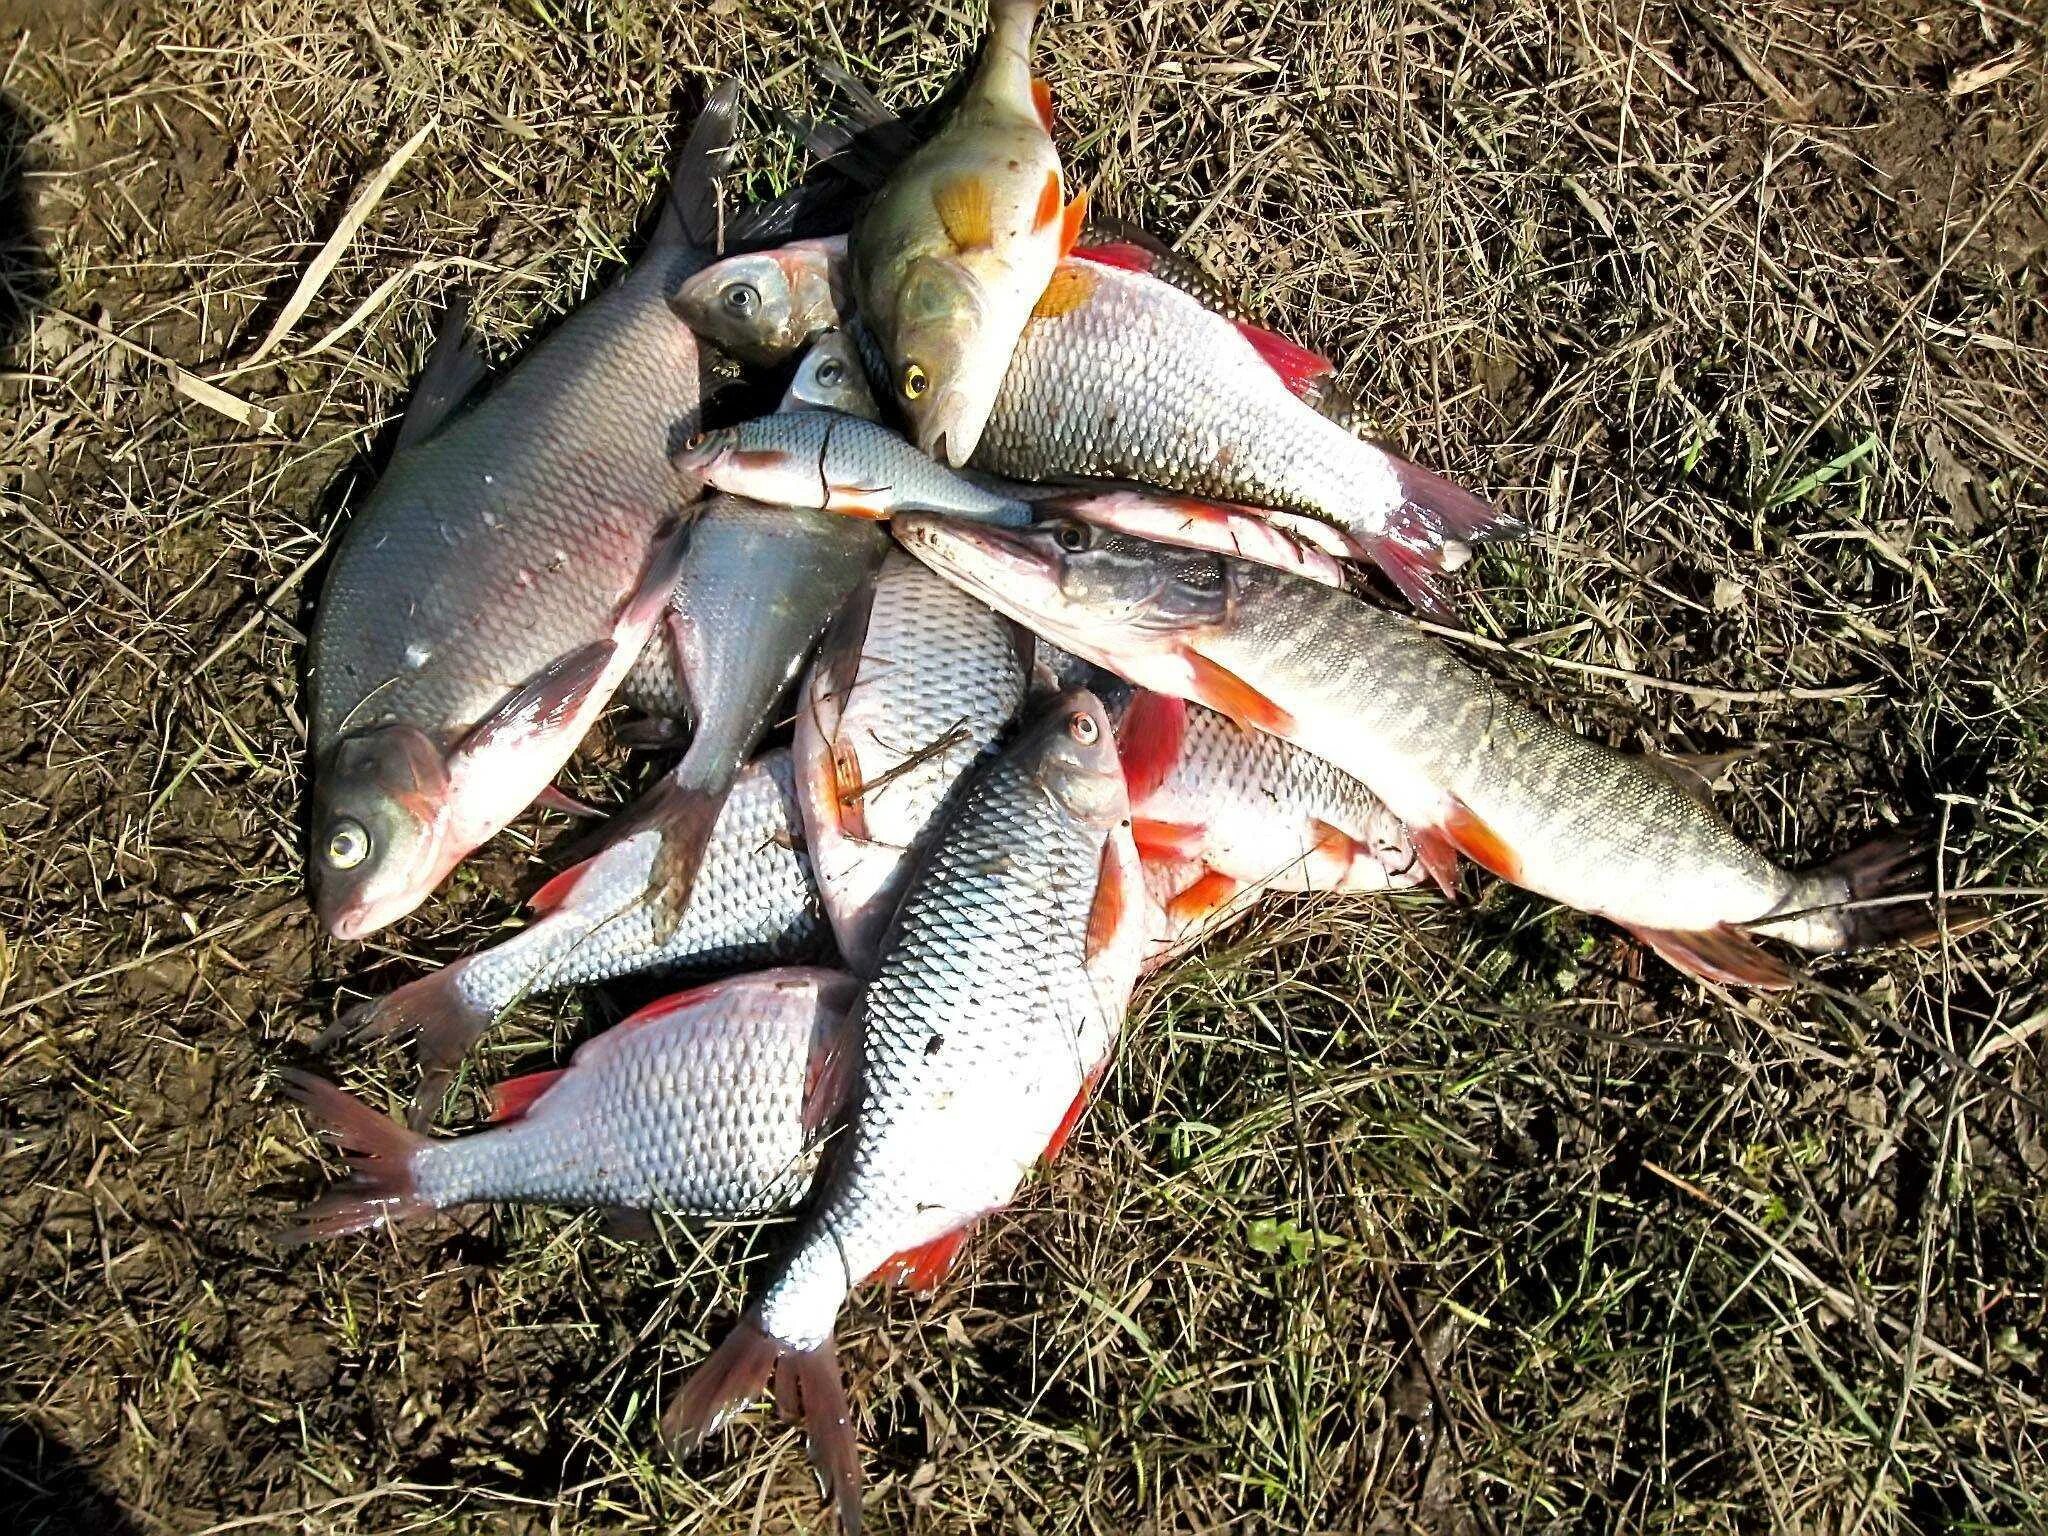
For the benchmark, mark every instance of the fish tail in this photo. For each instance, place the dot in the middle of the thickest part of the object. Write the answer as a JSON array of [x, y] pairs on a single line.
[[445, 1020], [1432, 533], [806, 1381], [1004, 79], [690, 216], [381, 1187], [685, 808], [1879, 893]]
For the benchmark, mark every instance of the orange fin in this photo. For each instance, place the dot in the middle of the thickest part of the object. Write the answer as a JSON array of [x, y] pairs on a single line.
[[1334, 842], [1041, 99], [1048, 203], [1064, 1131], [829, 1075], [922, 1268], [1300, 369], [1202, 900], [1076, 220], [511, 1099], [1480, 843], [1158, 840], [1228, 694], [556, 891], [1106, 916], [1072, 286], [847, 788], [1148, 739], [1718, 954], [1440, 858], [964, 209]]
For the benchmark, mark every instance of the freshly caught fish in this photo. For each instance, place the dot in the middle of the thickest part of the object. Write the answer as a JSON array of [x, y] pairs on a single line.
[[910, 689], [754, 903], [1468, 768], [488, 598], [958, 244], [1250, 810], [830, 379], [981, 1032], [709, 1102], [827, 460]]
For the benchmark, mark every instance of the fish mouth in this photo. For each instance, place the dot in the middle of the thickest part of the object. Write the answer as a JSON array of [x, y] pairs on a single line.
[[950, 429]]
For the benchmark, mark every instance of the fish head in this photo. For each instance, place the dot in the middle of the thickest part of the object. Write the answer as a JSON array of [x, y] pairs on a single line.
[[762, 306], [946, 373], [774, 459], [380, 823], [830, 379], [1100, 594], [1074, 758]]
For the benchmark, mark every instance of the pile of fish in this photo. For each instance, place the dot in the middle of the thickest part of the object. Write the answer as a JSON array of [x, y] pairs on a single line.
[[1062, 569]]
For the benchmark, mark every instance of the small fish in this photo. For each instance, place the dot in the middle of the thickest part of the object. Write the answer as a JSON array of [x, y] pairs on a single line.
[[913, 686], [710, 1102], [982, 1032], [956, 247], [490, 595], [1469, 769], [829, 461], [754, 903]]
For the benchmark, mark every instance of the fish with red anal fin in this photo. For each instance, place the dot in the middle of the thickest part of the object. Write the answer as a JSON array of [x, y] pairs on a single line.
[[1473, 772], [711, 1102], [988, 1015]]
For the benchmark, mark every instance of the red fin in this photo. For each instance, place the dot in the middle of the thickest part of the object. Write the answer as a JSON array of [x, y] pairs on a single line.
[[1440, 857], [1334, 843], [432, 1009], [544, 702], [1075, 221], [667, 1007], [1228, 694], [1202, 900], [1718, 954], [963, 207], [1072, 286], [1117, 253], [380, 1151], [1041, 99], [511, 1099], [1064, 1131], [926, 1266], [847, 789], [550, 896], [1148, 739], [829, 1075], [1300, 369], [1433, 531], [1106, 915], [1048, 201], [1479, 842], [731, 1377], [1175, 840], [553, 799]]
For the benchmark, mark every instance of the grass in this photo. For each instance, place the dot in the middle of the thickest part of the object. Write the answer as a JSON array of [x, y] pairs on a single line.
[[1393, 1217]]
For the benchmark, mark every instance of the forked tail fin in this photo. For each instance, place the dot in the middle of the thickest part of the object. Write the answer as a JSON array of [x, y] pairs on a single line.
[[381, 1187], [1432, 533], [446, 1020], [1879, 893]]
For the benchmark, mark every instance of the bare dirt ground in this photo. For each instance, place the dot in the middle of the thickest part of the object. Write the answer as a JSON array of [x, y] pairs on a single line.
[[1393, 1217]]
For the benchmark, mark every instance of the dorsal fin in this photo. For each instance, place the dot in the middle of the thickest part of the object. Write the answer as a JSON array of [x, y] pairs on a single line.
[[454, 369]]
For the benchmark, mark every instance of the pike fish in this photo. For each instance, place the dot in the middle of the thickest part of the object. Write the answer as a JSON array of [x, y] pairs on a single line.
[[754, 903], [1469, 769], [710, 1102], [912, 687], [489, 596], [957, 245], [981, 1032]]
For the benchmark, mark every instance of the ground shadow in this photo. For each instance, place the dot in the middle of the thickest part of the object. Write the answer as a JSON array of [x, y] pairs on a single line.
[[25, 275], [44, 1491]]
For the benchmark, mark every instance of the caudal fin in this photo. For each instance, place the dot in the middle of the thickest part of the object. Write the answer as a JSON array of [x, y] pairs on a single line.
[[1432, 533], [1879, 893], [436, 1010], [381, 1188], [806, 1382]]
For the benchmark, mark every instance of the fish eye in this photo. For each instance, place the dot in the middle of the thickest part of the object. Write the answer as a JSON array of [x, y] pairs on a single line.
[[831, 372], [697, 440], [742, 298], [915, 382], [1082, 727], [348, 844], [1072, 537]]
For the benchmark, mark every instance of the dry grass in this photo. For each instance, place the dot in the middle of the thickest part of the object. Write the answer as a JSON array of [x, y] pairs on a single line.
[[1394, 1217]]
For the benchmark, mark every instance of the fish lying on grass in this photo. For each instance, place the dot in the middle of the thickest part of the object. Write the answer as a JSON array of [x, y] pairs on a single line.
[[1120, 375], [957, 245], [754, 903], [1469, 769], [710, 1102], [981, 1033], [912, 687], [488, 598]]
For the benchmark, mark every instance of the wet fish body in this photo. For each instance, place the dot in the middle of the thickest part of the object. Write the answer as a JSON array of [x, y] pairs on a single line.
[[709, 1102]]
